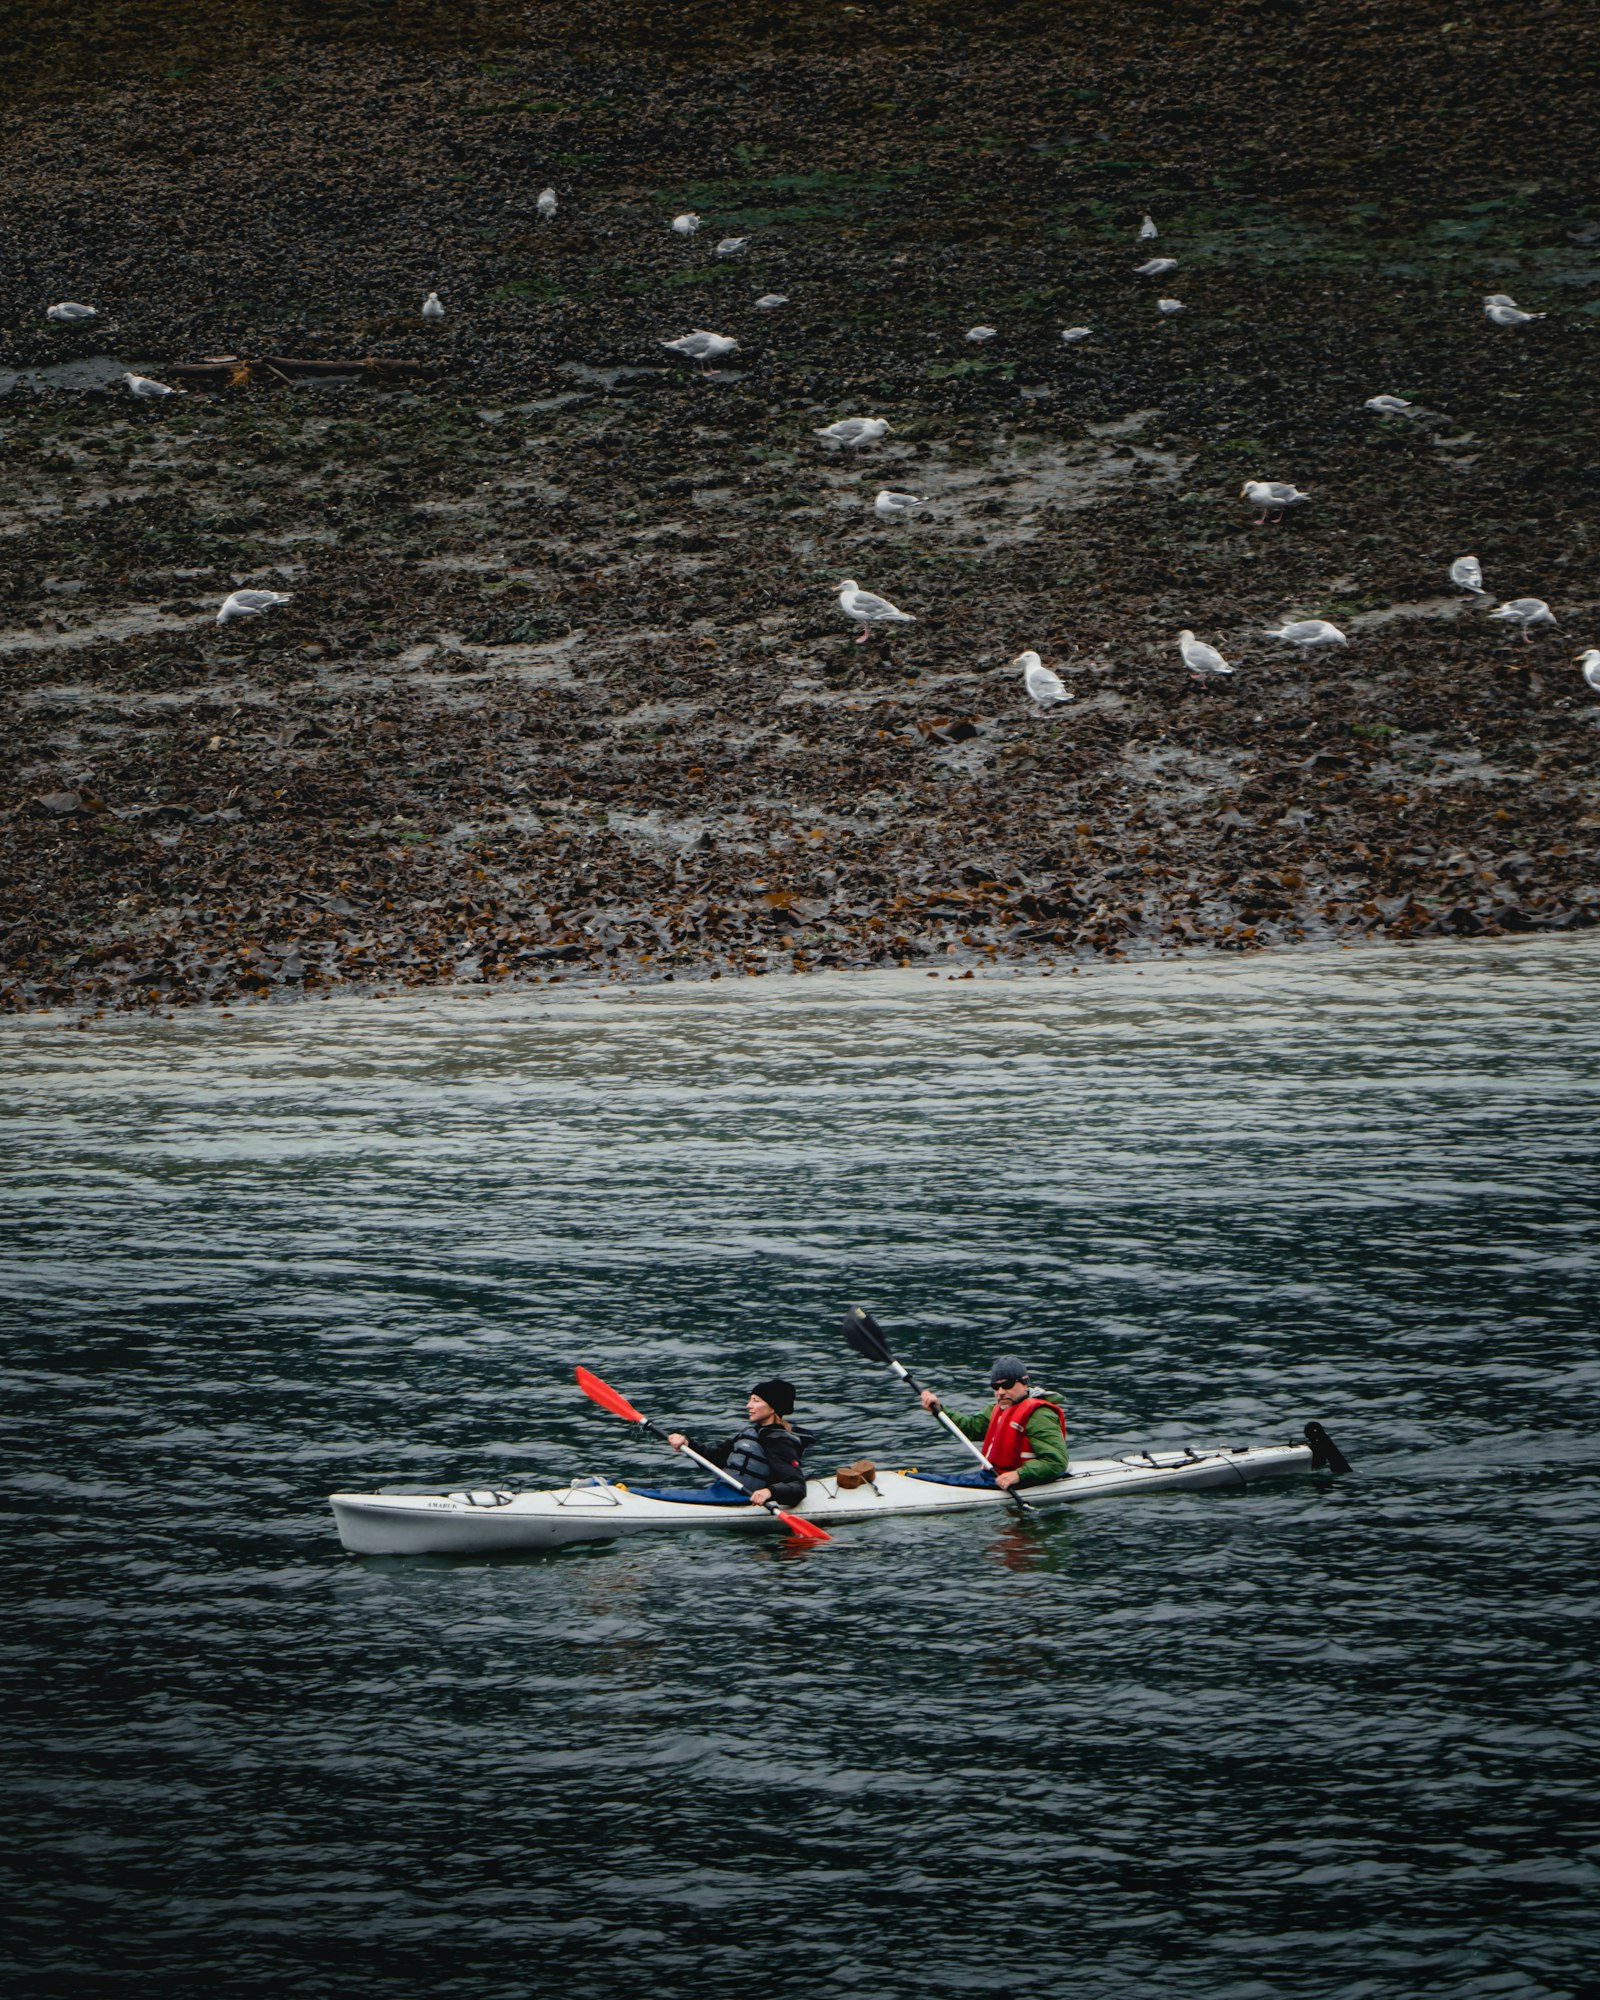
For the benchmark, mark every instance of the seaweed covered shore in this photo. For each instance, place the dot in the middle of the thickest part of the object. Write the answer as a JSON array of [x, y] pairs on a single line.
[[562, 689]]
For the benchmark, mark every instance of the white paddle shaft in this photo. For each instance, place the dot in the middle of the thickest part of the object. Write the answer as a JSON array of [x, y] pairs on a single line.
[[955, 1430]]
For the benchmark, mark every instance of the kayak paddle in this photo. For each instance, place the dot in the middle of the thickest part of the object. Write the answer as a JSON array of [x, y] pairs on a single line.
[[869, 1340], [619, 1406]]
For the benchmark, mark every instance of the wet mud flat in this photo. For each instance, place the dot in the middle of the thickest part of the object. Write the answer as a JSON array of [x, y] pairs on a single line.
[[562, 690]]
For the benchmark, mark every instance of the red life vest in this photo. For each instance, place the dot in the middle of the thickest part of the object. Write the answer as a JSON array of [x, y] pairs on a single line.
[[1005, 1442]]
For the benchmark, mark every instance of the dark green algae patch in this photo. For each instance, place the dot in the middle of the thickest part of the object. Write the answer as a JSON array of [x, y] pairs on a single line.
[[561, 691]]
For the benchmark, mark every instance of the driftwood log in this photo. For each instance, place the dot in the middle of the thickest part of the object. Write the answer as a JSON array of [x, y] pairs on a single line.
[[232, 371]]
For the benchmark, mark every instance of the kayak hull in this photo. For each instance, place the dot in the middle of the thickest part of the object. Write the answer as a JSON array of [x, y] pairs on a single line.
[[492, 1521]]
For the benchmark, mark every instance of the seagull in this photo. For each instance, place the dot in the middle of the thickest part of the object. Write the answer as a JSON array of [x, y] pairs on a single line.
[[1309, 633], [890, 506], [730, 246], [1465, 572], [1589, 663], [979, 334], [702, 346], [1525, 611], [1510, 315], [685, 224], [852, 432], [870, 610], [1069, 334], [770, 301], [1148, 231], [1043, 686], [1498, 299], [1158, 267], [546, 204], [1272, 496], [1390, 406], [249, 604], [1169, 306], [148, 391], [431, 308], [1203, 661], [69, 312]]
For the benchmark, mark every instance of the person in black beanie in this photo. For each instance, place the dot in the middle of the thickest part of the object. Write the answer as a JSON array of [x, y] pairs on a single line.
[[764, 1457]]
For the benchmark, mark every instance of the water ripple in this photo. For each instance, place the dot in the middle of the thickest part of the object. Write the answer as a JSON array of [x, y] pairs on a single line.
[[1298, 1741]]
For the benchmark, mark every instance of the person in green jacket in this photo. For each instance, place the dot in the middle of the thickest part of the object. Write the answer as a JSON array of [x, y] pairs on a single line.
[[1023, 1435]]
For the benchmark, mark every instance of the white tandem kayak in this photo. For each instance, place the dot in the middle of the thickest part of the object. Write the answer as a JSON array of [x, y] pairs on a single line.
[[484, 1520]]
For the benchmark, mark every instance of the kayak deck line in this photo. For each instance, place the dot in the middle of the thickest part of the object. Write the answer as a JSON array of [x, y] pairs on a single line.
[[490, 1519]]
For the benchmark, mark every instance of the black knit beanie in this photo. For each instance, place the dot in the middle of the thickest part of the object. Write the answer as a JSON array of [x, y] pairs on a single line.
[[1009, 1368], [778, 1393]]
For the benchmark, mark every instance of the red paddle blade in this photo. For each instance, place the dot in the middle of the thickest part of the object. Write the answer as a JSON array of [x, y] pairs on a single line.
[[808, 1531], [607, 1397]]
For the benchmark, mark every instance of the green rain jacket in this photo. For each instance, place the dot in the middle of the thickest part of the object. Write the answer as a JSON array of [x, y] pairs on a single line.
[[1048, 1446]]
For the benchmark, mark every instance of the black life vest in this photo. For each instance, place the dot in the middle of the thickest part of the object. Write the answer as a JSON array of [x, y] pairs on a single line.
[[749, 1463]]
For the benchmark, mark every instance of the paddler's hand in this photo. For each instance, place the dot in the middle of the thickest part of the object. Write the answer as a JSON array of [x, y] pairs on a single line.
[[929, 1400], [1007, 1479], [761, 1496], [677, 1440]]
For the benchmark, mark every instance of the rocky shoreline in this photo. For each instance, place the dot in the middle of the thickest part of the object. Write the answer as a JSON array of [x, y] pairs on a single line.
[[561, 690]]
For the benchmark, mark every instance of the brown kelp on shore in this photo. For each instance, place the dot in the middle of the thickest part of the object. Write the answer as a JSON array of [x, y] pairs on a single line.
[[561, 688]]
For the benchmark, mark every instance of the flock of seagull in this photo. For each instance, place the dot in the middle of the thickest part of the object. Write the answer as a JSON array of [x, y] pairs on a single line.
[[1274, 497]]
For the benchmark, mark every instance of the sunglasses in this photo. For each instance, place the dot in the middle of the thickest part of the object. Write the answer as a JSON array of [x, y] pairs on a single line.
[[1008, 1381]]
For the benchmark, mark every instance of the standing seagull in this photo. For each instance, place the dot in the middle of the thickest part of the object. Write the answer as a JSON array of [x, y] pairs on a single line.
[[70, 313], [1390, 406], [1043, 686], [1273, 496], [1589, 662], [891, 506], [1525, 611], [685, 224], [148, 391], [1169, 306], [1071, 335], [1203, 661], [546, 204], [1148, 231], [249, 604], [730, 246], [868, 609], [979, 334], [1466, 573], [431, 308]]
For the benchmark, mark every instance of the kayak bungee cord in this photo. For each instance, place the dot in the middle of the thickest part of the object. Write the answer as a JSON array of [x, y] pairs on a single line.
[[870, 1341], [619, 1406]]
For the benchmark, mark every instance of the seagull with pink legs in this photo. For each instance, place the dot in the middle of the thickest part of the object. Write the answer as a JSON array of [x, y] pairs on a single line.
[[1525, 611], [1203, 661], [1273, 496], [868, 609]]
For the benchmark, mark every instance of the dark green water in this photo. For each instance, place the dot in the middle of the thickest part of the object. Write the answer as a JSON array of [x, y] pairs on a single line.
[[1304, 1740]]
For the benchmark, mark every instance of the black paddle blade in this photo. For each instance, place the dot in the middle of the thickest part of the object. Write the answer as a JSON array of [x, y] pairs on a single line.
[[866, 1336], [1325, 1454]]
